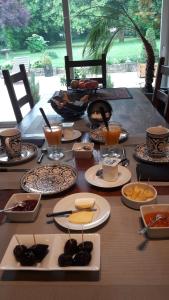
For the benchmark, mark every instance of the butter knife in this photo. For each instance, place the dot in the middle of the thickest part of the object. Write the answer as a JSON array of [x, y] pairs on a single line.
[[67, 212]]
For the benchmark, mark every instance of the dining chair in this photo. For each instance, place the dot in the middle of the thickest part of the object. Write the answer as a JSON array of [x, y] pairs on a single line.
[[17, 104], [71, 64], [161, 94]]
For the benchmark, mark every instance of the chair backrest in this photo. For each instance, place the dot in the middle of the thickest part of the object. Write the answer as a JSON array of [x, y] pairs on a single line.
[[22, 60], [86, 63], [161, 94], [17, 104]]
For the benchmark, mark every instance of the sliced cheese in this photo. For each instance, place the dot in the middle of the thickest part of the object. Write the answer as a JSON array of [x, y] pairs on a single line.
[[84, 203], [81, 217]]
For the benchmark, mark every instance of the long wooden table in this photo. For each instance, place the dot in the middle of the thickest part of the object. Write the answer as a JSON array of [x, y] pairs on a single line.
[[132, 266]]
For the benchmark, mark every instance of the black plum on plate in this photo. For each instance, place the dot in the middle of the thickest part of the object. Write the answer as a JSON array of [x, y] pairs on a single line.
[[85, 246], [81, 258], [65, 260], [70, 247]]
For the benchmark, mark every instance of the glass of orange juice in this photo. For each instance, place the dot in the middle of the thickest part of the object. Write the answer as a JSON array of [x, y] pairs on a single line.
[[111, 137], [53, 137]]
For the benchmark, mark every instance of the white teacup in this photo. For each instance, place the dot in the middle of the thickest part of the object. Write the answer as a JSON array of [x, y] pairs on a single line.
[[67, 130], [110, 168], [157, 140], [11, 142]]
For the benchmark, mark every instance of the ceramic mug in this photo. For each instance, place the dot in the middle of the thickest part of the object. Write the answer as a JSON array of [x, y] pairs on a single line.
[[157, 139], [11, 142]]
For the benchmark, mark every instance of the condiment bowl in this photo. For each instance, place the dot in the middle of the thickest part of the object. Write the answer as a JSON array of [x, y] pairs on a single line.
[[135, 194], [24, 215], [83, 150], [150, 211]]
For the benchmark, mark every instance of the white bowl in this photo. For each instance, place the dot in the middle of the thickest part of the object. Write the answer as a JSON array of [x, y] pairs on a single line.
[[83, 150], [137, 197], [155, 232], [23, 216]]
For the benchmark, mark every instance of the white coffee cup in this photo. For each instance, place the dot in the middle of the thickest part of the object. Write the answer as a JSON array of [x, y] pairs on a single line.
[[11, 142], [67, 130], [157, 139], [110, 168]]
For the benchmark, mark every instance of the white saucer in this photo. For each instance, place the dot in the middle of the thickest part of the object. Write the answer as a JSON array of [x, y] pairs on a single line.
[[76, 134], [91, 177]]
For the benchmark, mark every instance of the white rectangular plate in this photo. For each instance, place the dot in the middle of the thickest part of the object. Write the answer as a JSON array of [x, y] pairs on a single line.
[[56, 244]]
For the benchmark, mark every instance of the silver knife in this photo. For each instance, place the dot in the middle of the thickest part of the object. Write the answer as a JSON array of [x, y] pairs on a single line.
[[68, 212], [13, 170]]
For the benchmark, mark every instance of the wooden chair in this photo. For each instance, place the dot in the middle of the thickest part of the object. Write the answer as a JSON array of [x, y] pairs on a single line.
[[161, 94], [86, 63], [17, 104]]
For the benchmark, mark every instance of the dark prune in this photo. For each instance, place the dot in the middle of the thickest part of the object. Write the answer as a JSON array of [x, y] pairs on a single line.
[[28, 258], [70, 247], [86, 246], [18, 251], [40, 251], [65, 260], [82, 258]]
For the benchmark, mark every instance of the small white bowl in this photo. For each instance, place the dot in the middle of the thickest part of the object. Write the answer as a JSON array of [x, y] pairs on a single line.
[[23, 216], [135, 200], [83, 150], [155, 232]]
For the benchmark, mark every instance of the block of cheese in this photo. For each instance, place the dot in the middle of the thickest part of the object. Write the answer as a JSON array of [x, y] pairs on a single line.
[[84, 203], [81, 217]]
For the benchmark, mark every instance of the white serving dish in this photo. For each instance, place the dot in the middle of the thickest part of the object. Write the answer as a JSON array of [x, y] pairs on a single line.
[[135, 204], [56, 244], [80, 151], [155, 232], [22, 216]]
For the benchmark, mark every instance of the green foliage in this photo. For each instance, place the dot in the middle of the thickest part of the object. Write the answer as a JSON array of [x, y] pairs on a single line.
[[34, 87], [51, 53], [150, 36], [37, 64], [80, 73], [7, 66], [36, 43], [63, 81], [46, 61]]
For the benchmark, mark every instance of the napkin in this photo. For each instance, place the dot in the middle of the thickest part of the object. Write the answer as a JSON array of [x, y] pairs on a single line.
[[37, 142], [152, 172]]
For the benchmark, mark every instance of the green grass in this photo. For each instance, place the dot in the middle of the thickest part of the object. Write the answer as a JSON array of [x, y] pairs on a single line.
[[119, 52]]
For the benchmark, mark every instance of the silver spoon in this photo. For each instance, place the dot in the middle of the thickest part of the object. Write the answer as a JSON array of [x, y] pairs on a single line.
[[43, 151], [125, 160], [153, 221], [21, 204]]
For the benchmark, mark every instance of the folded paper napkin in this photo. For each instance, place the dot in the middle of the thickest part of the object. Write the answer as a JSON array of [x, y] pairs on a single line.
[[38, 142], [152, 172]]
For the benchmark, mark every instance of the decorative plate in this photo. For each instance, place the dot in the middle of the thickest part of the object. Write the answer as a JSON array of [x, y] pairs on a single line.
[[97, 136], [28, 151], [124, 176], [49, 179], [56, 244], [68, 203], [142, 154]]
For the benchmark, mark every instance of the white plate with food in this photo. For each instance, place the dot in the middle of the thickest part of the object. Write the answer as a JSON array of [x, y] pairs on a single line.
[[75, 135], [124, 176], [53, 246], [94, 218]]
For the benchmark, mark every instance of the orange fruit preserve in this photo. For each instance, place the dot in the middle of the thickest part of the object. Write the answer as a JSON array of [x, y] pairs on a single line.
[[112, 135], [53, 137]]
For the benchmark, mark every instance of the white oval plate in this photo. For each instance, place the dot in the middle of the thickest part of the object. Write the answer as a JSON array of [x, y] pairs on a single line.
[[123, 177], [68, 203], [76, 134]]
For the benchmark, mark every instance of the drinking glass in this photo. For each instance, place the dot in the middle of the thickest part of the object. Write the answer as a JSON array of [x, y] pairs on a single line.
[[111, 137], [53, 138]]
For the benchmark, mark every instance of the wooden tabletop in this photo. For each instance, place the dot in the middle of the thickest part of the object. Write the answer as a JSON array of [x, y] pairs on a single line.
[[132, 266]]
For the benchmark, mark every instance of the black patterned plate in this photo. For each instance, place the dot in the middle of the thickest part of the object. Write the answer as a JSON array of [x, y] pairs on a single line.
[[28, 151], [49, 179], [142, 154], [96, 135]]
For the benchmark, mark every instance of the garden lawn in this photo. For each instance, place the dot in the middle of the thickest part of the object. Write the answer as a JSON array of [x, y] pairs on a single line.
[[119, 52]]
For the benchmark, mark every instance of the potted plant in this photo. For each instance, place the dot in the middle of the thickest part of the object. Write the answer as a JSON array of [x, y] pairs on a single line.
[[47, 65]]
